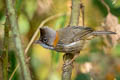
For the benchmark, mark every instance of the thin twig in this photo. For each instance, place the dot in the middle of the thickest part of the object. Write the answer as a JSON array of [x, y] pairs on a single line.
[[33, 38], [14, 71], [107, 7], [75, 13]]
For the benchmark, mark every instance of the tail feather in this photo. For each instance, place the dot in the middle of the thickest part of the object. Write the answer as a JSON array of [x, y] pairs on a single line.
[[102, 32]]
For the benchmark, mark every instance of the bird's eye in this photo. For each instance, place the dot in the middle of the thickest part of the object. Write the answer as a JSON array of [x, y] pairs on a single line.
[[45, 40]]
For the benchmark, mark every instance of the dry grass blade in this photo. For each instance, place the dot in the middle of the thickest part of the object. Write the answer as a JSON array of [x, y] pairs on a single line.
[[14, 72]]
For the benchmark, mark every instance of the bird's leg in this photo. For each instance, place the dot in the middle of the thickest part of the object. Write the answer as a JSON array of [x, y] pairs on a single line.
[[71, 61], [73, 58], [67, 58]]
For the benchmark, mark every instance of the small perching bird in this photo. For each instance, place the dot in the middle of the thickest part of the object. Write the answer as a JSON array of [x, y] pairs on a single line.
[[69, 39]]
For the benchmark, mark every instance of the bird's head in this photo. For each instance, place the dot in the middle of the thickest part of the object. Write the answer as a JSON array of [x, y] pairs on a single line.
[[48, 37]]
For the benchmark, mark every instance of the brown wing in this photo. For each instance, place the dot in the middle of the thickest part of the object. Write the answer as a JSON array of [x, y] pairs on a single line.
[[72, 34], [82, 34]]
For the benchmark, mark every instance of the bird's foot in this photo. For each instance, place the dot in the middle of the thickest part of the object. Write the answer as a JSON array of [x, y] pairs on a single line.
[[71, 61]]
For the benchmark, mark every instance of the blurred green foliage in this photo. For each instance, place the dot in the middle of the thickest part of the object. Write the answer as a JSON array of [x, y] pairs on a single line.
[[46, 64], [83, 59], [114, 10], [117, 50], [83, 76], [12, 65], [23, 24]]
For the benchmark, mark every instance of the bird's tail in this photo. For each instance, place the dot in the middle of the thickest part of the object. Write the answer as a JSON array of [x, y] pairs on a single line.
[[102, 32]]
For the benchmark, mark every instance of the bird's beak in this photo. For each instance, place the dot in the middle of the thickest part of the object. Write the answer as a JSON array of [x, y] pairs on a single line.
[[37, 42]]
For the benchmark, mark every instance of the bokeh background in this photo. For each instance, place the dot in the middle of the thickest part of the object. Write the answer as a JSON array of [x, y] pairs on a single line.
[[97, 61]]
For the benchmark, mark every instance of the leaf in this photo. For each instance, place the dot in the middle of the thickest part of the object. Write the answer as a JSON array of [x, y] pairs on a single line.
[[111, 24], [111, 20]]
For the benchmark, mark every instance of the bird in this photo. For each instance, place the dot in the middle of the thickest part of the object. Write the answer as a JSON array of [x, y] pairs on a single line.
[[68, 39]]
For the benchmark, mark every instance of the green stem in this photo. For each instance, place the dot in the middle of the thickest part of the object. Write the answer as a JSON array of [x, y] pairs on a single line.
[[75, 13], [16, 37], [5, 50], [1, 69], [74, 21]]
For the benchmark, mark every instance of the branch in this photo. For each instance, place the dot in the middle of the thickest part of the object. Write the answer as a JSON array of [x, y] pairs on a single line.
[[75, 13], [1, 69], [67, 69], [105, 4], [74, 21], [5, 50], [16, 36]]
